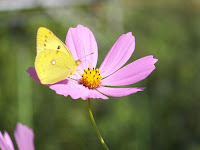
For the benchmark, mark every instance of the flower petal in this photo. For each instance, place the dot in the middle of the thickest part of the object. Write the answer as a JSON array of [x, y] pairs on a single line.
[[76, 90], [33, 74], [6, 142], [9, 141], [118, 55], [132, 73], [24, 137], [94, 94], [118, 92], [82, 44]]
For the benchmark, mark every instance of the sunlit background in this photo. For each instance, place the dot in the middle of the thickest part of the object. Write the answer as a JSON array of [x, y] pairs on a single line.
[[166, 116]]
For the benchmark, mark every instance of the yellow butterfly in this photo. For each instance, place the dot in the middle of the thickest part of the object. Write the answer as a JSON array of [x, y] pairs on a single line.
[[53, 62]]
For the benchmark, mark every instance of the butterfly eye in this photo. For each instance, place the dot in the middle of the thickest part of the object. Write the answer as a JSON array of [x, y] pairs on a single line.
[[58, 47]]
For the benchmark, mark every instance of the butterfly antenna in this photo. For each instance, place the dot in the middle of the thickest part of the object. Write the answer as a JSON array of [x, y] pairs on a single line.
[[86, 56]]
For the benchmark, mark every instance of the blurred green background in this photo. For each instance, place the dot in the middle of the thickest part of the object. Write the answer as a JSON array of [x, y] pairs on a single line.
[[166, 116]]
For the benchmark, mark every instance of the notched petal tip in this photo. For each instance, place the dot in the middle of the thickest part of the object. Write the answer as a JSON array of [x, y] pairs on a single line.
[[30, 70], [22, 130], [129, 34], [33, 74], [154, 60], [81, 26]]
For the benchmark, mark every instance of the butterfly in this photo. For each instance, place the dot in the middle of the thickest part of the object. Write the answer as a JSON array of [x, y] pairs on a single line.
[[54, 62]]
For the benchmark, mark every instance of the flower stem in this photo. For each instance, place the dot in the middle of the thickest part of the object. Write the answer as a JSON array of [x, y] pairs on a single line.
[[95, 126]]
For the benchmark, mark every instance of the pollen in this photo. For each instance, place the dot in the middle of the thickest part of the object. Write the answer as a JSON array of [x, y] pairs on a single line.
[[91, 78]]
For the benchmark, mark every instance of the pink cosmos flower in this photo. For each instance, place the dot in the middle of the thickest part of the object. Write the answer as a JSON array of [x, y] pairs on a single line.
[[89, 82], [23, 136]]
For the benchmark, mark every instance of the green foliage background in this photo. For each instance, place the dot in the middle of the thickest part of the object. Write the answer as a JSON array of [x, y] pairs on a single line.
[[166, 116]]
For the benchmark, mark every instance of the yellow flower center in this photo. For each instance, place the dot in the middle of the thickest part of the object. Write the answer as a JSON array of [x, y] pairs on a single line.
[[91, 78]]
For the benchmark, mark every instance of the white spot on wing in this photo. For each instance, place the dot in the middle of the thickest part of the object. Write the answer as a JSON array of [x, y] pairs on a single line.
[[53, 62]]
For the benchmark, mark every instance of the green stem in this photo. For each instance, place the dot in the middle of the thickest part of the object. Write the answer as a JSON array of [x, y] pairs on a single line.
[[95, 127]]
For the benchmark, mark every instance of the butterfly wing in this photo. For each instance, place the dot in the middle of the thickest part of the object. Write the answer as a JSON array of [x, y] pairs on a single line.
[[53, 66], [48, 40], [54, 62]]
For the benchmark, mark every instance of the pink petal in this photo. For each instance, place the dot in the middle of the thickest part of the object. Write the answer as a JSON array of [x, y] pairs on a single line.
[[118, 92], [9, 141], [24, 137], [33, 74], [6, 142], [94, 94], [118, 55], [75, 90], [81, 42], [3, 143], [132, 73]]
